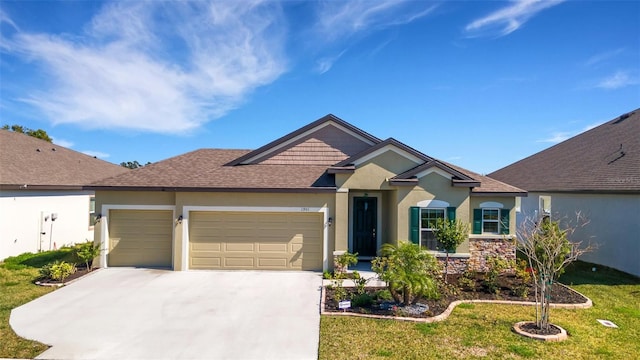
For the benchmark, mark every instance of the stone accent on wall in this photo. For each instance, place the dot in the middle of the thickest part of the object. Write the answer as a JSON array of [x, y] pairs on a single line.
[[457, 264], [481, 248]]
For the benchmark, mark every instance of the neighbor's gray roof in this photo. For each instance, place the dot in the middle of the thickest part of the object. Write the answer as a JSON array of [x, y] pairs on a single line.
[[603, 159], [26, 160]]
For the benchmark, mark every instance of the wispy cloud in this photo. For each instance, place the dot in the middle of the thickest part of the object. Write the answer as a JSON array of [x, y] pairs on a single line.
[[617, 80], [560, 136], [121, 73], [326, 63], [602, 57], [98, 154], [340, 19], [508, 19], [62, 142]]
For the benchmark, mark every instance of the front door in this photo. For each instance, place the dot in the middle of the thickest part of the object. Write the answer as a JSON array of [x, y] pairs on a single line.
[[365, 225]]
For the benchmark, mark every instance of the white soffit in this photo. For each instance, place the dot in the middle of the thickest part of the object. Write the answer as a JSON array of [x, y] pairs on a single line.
[[384, 149], [306, 133]]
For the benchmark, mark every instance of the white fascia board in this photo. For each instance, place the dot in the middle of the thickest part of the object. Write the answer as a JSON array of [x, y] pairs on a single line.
[[310, 131], [384, 149], [434, 170]]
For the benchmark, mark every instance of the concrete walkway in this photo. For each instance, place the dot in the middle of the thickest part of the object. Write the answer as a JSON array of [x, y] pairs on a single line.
[[125, 313]]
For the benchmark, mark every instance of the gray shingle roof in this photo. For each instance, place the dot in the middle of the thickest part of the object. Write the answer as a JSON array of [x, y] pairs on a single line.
[[25, 160], [603, 159]]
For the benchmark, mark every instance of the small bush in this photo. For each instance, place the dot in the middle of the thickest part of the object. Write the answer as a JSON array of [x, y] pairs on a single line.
[[384, 295], [360, 282], [468, 280], [343, 262], [58, 270], [362, 300], [86, 252], [496, 266]]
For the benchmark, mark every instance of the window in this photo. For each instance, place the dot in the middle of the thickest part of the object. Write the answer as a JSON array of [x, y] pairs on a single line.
[[92, 211], [428, 218], [491, 221]]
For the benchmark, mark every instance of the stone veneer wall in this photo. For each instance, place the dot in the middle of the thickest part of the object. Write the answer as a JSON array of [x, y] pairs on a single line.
[[481, 248], [457, 265]]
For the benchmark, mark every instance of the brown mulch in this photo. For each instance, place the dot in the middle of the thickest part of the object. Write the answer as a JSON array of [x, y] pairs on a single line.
[[80, 272], [532, 328], [450, 293]]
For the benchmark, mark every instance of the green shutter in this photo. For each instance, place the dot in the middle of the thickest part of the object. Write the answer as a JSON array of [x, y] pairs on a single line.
[[477, 221], [451, 213], [414, 225], [504, 221]]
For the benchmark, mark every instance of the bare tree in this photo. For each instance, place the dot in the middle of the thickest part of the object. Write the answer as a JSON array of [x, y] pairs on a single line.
[[549, 251]]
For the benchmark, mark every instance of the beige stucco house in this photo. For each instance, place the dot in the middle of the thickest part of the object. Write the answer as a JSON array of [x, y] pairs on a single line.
[[295, 203], [597, 174]]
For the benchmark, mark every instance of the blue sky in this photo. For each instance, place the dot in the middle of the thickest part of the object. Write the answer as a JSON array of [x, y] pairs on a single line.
[[477, 83]]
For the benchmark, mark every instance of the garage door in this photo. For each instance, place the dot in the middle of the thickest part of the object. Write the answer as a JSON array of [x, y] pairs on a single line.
[[255, 240], [140, 238]]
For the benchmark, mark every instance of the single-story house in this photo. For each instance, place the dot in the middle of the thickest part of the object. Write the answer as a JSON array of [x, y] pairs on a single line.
[[42, 201], [297, 202], [596, 173]]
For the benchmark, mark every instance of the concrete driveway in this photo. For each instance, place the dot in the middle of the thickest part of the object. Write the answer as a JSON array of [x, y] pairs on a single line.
[[126, 313]]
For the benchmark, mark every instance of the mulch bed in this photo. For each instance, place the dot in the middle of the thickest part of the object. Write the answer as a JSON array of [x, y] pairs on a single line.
[[532, 328], [452, 292], [80, 272]]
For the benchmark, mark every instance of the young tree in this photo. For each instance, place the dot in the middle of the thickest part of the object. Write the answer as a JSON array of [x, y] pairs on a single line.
[[549, 251], [408, 271], [450, 233], [133, 164]]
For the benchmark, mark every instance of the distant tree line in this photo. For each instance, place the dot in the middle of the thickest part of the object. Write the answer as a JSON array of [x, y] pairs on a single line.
[[40, 134], [133, 164]]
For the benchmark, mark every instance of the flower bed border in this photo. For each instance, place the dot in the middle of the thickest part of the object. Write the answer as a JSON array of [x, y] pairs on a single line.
[[445, 314], [61, 284]]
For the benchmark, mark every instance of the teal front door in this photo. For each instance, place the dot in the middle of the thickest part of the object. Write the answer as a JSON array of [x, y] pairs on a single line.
[[365, 225]]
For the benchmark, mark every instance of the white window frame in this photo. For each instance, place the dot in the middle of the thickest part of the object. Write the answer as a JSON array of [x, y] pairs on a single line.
[[497, 221], [444, 216], [92, 213]]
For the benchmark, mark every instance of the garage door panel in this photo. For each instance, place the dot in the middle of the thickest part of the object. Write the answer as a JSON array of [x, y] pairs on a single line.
[[249, 240], [140, 238]]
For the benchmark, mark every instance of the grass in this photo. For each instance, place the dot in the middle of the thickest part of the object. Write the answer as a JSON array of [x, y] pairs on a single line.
[[17, 275], [484, 330]]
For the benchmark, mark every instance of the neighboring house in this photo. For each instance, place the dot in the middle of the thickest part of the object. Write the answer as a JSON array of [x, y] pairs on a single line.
[[42, 201], [295, 203], [596, 173]]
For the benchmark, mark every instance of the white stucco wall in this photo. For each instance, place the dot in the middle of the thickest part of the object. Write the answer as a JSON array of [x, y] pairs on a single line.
[[614, 224], [22, 220]]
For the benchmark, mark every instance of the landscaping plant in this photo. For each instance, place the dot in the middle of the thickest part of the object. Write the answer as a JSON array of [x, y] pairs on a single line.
[[450, 233], [343, 262], [549, 251], [496, 265], [86, 252], [58, 270], [409, 272]]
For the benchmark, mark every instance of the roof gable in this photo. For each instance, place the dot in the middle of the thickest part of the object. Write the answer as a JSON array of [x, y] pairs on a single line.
[[25, 160], [603, 159], [390, 144], [325, 141]]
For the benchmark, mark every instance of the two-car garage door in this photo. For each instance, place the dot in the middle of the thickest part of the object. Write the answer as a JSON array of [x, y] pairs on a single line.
[[218, 239], [255, 240]]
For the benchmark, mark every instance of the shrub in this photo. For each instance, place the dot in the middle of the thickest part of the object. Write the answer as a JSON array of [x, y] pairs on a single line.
[[360, 282], [86, 252], [343, 262], [383, 295], [496, 266], [58, 270], [408, 272], [467, 280], [362, 300]]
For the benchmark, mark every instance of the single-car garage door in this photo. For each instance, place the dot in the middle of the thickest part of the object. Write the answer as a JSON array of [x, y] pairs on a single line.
[[140, 238], [255, 240]]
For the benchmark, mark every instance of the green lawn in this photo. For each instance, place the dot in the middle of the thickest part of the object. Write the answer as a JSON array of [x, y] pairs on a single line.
[[484, 330], [16, 288]]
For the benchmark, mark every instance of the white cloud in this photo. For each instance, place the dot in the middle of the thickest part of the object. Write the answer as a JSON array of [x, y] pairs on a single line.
[[617, 80], [326, 63], [98, 154], [599, 58], [340, 19], [560, 136], [508, 19], [62, 142], [123, 72]]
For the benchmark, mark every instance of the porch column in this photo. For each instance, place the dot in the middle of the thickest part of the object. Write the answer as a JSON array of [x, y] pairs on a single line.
[[341, 220]]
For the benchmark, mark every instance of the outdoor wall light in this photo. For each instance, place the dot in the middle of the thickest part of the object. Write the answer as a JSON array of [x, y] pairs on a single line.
[[179, 220], [98, 217], [330, 221]]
